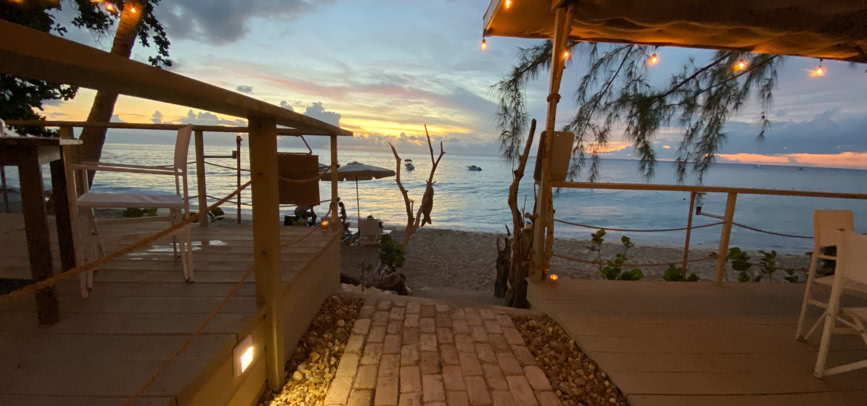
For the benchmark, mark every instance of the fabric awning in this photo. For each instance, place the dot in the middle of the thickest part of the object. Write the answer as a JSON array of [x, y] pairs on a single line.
[[830, 29]]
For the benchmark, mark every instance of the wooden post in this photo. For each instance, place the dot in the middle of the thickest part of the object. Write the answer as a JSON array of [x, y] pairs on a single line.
[[544, 208], [266, 240], [70, 251], [200, 175], [724, 237], [238, 173], [688, 232], [334, 183]]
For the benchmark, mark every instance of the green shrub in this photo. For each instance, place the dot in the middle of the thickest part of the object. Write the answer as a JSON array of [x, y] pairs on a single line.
[[613, 269], [675, 274], [391, 254], [133, 212]]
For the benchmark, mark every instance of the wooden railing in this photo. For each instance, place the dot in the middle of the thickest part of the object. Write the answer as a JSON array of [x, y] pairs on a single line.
[[727, 218], [200, 155]]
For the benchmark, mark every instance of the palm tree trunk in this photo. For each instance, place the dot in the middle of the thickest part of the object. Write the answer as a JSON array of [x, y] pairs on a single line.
[[103, 103]]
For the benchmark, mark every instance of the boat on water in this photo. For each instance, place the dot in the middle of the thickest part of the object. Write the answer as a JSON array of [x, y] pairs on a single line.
[[408, 164], [474, 168]]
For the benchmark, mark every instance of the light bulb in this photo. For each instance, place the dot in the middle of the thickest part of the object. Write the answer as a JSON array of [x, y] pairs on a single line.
[[653, 59], [109, 7], [484, 44], [132, 9], [565, 54], [508, 3], [820, 71], [741, 65]]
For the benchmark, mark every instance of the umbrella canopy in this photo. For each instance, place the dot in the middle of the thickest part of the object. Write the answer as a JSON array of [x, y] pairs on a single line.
[[358, 171], [830, 29]]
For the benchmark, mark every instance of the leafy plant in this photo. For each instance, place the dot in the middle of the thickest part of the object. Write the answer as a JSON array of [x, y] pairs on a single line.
[[613, 269], [766, 269], [675, 274], [132, 212], [391, 254]]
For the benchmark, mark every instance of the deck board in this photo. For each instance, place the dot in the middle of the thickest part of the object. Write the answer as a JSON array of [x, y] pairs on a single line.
[[666, 343], [139, 313]]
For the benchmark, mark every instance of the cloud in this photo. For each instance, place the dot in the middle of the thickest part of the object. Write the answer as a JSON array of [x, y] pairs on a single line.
[[206, 118], [157, 117], [284, 104], [244, 89], [317, 111], [841, 160], [226, 21]]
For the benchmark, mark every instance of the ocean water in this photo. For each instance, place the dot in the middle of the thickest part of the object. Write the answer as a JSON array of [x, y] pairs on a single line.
[[476, 201]]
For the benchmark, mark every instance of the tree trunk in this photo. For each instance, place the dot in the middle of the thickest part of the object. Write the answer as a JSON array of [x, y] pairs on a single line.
[[103, 103], [522, 244]]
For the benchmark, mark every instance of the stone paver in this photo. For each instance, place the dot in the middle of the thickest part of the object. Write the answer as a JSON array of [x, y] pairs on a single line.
[[410, 352]]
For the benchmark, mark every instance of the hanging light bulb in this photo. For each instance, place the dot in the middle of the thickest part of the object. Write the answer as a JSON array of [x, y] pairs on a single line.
[[819, 71], [133, 10], [653, 59], [565, 54], [741, 65], [508, 3], [109, 7], [484, 44]]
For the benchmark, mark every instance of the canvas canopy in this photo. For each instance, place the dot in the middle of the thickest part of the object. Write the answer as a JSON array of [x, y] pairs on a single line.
[[830, 29]]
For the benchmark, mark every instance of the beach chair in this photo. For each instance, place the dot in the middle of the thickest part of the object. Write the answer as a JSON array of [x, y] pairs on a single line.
[[851, 267], [369, 231], [177, 204], [826, 224]]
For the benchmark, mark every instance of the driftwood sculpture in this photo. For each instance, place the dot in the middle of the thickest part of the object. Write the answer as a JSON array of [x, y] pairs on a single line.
[[519, 266], [422, 216]]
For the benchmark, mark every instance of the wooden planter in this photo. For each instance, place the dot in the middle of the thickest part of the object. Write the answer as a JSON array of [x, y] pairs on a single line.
[[299, 167]]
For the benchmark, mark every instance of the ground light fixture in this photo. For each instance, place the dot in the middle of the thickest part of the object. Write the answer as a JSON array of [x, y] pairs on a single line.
[[324, 225], [243, 354]]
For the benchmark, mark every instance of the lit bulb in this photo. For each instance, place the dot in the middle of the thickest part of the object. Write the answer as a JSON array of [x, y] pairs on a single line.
[[109, 6], [653, 59], [565, 54], [132, 9], [484, 44], [508, 3], [820, 71], [741, 65], [553, 277]]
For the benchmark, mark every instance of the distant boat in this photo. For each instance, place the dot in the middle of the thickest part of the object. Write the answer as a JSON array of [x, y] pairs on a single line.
[[757, 166], [801, 168], [408, 164], [474, 168]]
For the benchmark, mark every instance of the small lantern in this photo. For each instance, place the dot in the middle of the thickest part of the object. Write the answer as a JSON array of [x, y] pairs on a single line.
[[552, 278], [324, 225]]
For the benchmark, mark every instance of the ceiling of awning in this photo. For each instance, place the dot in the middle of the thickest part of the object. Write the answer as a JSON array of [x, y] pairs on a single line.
[[830, 29]]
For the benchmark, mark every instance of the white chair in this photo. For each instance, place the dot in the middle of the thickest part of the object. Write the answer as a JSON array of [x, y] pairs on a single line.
[[851, 267], [177, 204], [369, 232], [826, 224]]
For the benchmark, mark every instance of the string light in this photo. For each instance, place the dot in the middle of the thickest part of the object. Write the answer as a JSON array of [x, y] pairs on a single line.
[[484, 44], [565, 54], [508, 3], [653, 59], [132, 9], [109, 6], [819, 71], [741, 65]]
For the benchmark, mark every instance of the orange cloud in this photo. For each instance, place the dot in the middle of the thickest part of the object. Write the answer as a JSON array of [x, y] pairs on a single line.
[[853, 160]]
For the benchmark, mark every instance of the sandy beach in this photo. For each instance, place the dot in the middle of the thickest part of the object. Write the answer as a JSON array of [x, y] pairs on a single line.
[[463, 260]]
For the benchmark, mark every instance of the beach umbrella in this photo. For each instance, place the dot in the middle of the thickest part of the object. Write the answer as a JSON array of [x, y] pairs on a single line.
[[357, 171]]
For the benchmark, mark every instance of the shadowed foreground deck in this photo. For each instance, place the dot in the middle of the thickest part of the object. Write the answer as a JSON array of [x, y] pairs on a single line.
[[140, 312], [670, 343]]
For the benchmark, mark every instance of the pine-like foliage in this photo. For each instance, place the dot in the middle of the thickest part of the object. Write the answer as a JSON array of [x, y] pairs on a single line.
[[614, 96]]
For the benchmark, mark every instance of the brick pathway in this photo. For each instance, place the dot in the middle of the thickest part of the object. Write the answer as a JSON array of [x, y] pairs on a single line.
[[411, 351]]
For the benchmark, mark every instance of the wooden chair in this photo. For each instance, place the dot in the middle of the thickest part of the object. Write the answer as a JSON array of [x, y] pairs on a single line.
[[826, 225], [852, 267], [177, 204]]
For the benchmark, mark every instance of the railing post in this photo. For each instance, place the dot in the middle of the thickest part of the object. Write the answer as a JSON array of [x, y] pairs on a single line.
[[238, 173], [724, 237], [688, 232], [200, 175], [266, 241], [334, 182]]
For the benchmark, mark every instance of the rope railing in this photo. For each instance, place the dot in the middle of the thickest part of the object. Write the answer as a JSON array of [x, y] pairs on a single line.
[[31, 289], [227, 167], [585, 261], [771, 232], [658, 230], [205, 324]]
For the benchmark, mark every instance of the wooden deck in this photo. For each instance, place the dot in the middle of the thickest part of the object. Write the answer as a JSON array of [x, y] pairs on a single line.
[[671, 343], [141, 311]]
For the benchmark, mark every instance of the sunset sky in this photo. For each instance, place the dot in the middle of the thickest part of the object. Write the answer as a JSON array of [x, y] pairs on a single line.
[[384, 68]]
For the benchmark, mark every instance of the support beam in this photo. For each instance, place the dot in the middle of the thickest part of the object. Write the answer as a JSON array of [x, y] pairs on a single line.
[[688, 233], [724, 237], [266, 241], [334, 183], [544, 207], [200, 175]]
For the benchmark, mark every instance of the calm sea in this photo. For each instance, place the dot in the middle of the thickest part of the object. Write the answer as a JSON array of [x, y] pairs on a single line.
[[476, 201]]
